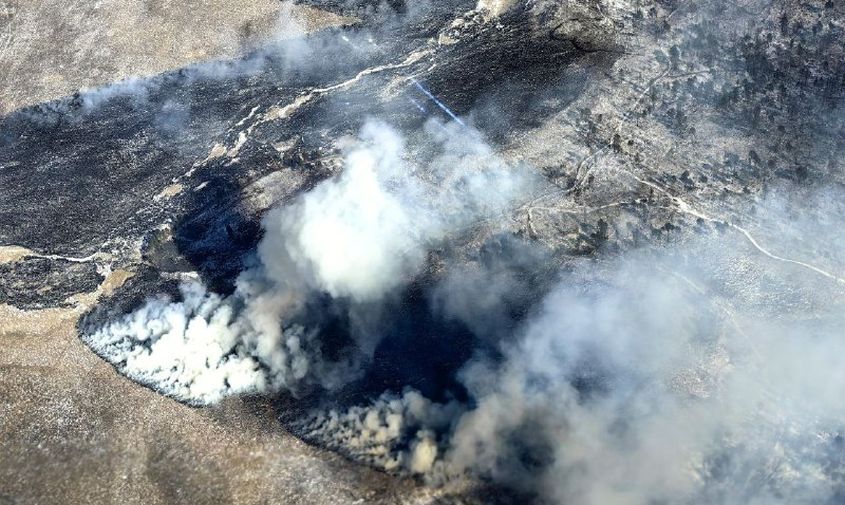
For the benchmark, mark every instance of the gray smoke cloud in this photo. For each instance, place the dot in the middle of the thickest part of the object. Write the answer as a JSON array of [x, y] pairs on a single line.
[[700, 372], [357, 237], [645, 361]]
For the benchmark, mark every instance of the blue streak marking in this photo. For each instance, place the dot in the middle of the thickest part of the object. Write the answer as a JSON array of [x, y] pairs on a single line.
[[438, 102]]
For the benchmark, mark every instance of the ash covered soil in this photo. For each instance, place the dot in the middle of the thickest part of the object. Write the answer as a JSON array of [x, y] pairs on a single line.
[[586, 251]]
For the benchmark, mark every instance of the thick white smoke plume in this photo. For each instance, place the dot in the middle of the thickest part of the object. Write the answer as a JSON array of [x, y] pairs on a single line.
[[366, 232], [356, 237]]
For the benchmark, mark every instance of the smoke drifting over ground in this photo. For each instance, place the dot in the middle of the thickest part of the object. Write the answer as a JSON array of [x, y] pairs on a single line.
[[696, 357], [690, 374], [355, 238], [702, 368], [657, 359]]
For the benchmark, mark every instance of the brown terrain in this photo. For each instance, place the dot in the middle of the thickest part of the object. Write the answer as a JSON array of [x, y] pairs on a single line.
[[51, 48], [74, 431]]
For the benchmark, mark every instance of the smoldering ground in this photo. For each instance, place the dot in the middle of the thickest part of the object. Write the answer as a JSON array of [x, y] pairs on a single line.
[[357, 239], [423, 333], [720, 369]]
